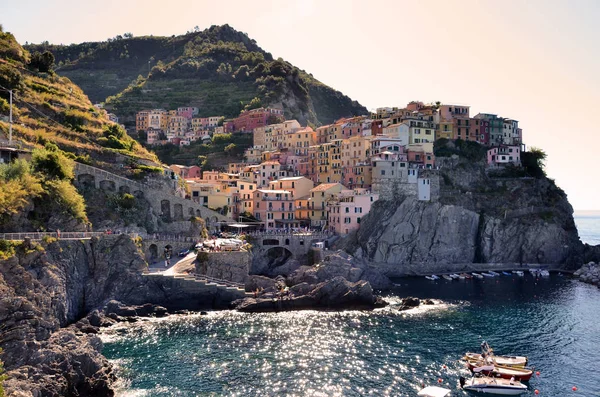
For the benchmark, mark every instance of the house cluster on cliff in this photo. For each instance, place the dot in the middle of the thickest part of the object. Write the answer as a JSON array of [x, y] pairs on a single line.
[[180, 127], [327, 178]]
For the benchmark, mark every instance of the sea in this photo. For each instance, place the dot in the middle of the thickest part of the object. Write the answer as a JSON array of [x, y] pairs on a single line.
[[551, 320]]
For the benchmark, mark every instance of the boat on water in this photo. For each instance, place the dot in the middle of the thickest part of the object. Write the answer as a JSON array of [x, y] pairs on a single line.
[[518, 273], [433, 391], [487, 384], [494, 273], [535, 272], [487, 274], [455, 276], [430, 278], [446, 277], [489, 357], [477, 275], [466, 275], [507, 273], [544, 273], [492, 369]]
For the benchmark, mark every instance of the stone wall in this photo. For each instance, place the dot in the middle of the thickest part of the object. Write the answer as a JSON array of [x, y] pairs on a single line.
[[225, 265]]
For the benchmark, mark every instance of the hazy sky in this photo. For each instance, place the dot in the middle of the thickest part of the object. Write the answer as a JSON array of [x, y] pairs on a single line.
[[534, 61]]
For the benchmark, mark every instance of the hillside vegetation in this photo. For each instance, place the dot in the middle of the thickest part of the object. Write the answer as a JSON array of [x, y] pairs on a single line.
[[218, 70], [50, 108]]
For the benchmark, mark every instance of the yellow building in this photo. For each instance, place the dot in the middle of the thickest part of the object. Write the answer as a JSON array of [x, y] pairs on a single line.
[[299, 186], [141, 120], [302, 210], [158, 119], [445, 130], [335, 161], [299, 141], [318, 202], [355, 150]]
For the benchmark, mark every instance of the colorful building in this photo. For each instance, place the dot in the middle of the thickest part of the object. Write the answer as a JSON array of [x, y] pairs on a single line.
[[504, 155], [346, 211], [317, 202]]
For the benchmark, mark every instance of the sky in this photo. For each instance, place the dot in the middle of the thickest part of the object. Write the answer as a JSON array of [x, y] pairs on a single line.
[[536, 61]]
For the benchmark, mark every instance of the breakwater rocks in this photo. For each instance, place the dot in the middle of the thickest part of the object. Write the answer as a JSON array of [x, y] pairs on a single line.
[[589, 273]]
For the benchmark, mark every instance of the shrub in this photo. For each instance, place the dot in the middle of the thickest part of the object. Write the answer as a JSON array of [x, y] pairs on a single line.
[[52, 163], [49, 239], [221, 138], [7, 250], [65, 194], [17, 187], [43, 62], [127, 201]]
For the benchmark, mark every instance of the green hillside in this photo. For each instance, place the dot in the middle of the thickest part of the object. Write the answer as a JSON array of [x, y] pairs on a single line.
[[219, 70]]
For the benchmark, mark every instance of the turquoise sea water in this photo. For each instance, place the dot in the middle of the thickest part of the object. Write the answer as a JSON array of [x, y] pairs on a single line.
[[553, 321]]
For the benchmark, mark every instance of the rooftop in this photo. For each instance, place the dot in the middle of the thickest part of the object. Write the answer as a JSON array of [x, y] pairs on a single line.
[[324, 186]]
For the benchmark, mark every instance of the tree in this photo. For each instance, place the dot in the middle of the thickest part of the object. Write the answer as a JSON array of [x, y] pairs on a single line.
[[230, 148], [42, 62], [533, 162]]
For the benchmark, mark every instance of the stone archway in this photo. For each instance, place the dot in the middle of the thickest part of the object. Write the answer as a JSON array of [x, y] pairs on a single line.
[[153, 251], [165, 209], [124, 189], [178, 212], [277, 256], [86, 180], [108, 185]]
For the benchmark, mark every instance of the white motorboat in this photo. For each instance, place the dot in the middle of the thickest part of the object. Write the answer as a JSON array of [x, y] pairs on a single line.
[[446, 277], [544, 273], [477, 275], [435, 277], [430, 278], [455, 276], [494, 273], [518, 273], [433, 391], [489, 385], [487, 274]]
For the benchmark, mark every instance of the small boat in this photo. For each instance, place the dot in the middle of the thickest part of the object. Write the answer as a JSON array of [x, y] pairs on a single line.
[[446, 277], [544, 273], [534, 271], [462, 276], [435, 277], [507, 273], [477, 275], [504, 361], [455, 276], [466, 275], [489, 368], [486, 384], [433, 391], [487, 274], [494, 273], [430, 278], [518, 273]]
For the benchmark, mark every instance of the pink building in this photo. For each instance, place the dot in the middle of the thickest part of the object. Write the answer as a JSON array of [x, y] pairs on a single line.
[[187, 112], [421, 157], [504, 155], [346, 211], [248, 120], [274, 207]]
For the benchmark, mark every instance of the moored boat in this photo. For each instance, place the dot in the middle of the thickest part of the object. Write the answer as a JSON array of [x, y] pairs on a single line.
[[520, 374], [486, 384], [466, 275], [507, 273], [505, 361], [494, 273], [518, 273], [446, 277], [455, 276], [430, 278], [477, 275], [487, 274], [544, 273]]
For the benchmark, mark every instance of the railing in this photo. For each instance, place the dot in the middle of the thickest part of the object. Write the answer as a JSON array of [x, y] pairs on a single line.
[[174, 238], [57, 235], [284, 232]]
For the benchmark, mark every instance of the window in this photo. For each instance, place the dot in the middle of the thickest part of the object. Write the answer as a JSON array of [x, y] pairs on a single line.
[[347, 210], [382, 172]]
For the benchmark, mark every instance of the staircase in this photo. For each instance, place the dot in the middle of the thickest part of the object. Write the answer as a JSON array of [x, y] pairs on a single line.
[[203, 284]]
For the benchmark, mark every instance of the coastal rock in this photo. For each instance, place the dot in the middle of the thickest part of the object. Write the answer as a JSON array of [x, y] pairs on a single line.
[[337, 293], [589, 273], [339, 264]]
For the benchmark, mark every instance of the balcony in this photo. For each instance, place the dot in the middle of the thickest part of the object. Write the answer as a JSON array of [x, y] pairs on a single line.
[[289, 198]]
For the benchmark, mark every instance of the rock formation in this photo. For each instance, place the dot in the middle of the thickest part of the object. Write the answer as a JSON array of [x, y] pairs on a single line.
[[589, 273], [49, 346]]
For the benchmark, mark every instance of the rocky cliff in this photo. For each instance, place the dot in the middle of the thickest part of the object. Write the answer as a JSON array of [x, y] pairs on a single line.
[[44, 289], [477, 219]]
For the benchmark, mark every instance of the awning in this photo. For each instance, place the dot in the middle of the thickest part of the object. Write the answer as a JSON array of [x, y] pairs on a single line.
[[239, 225]]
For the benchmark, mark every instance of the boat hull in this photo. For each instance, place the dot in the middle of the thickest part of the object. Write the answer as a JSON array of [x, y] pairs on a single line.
[[494, 390], [504, 361], [520, 374]]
